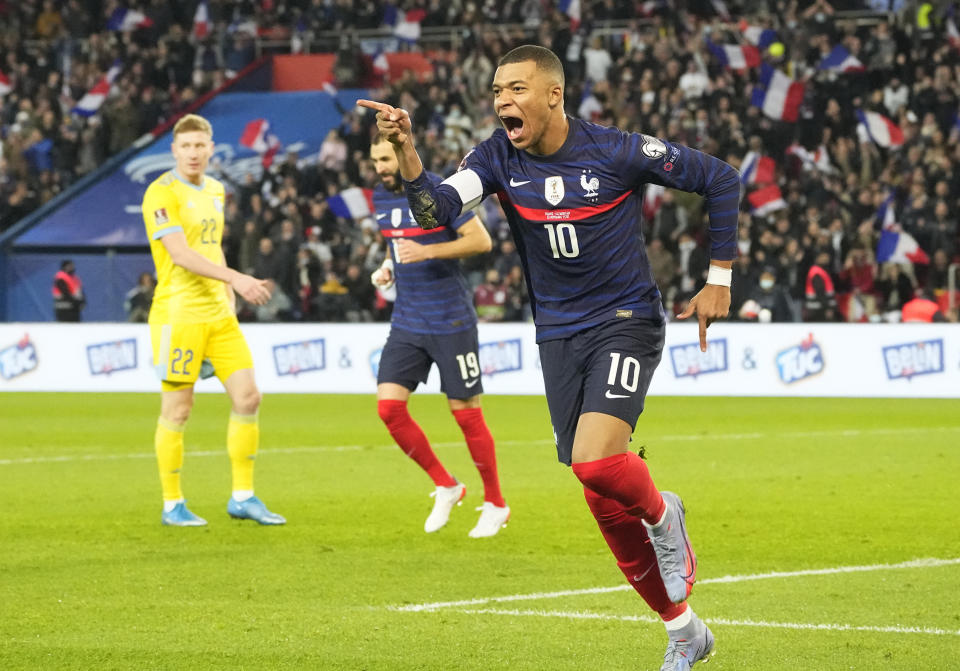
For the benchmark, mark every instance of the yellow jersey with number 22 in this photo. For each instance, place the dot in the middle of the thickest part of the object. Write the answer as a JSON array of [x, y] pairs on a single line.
[[171, 205]]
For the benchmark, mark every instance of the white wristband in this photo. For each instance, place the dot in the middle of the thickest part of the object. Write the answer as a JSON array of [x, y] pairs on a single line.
[[720, 276]]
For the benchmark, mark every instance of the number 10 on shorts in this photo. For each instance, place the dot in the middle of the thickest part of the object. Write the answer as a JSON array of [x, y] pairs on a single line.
[[629, 371]]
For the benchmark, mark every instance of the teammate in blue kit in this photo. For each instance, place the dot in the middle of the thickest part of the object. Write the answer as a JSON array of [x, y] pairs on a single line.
[[572, 193], [433, 321]]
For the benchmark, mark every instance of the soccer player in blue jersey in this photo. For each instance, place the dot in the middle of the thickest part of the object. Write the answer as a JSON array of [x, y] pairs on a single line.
[[433, 321], [572, 193]]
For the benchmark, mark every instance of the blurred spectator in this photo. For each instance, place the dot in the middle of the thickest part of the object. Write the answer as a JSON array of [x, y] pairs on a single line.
[[772, 300], [922, 309], [68, 299], [138, 300], [895, 288], [517, 300], [490, 298], [820, 300], [278, 308]]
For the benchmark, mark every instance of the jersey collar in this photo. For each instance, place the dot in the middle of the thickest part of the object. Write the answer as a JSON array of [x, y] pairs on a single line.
[[188, 182]]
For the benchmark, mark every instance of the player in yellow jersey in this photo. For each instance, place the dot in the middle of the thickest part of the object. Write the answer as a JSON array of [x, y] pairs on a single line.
[[192, 319]]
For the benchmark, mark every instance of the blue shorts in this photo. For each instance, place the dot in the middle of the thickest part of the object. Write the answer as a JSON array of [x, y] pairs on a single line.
[[407, 357], [606, 368]]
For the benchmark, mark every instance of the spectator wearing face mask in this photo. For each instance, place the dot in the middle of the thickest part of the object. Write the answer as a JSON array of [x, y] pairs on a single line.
[[772, 299]]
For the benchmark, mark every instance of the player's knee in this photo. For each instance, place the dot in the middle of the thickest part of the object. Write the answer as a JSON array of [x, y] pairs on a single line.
[[248, 402], [392, 412], [177, 414]]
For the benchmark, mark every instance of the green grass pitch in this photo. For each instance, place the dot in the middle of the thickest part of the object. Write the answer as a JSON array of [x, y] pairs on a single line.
[[833, 497]]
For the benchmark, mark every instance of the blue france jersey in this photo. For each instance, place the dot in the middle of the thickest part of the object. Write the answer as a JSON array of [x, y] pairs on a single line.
[[432, 296], [575, 217]]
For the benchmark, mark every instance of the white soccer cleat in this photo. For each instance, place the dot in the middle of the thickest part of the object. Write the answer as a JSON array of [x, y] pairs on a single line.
[[492, 519], [445, 498]]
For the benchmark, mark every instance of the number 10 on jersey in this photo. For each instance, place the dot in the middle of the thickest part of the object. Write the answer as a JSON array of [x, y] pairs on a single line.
[[563, 240]]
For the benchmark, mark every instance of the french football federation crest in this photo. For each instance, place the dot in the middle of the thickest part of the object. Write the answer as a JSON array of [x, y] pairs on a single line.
[[553, 189], [590, 185], [396, 217]]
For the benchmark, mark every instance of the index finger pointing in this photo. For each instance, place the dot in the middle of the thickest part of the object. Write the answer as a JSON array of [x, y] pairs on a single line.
[[703, 333], [374, 105]]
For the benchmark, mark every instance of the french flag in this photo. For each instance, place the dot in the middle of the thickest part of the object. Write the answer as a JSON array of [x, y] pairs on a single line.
[[257, 136], [777, 95], [352, 203], [953, 35], [757, 169], [381, 66], [406, 25], [766, 200], [201, 20], [736, 56], [5, 85], [841, 60], [880, 129], [572, 9], [91, 102], [758, 36], [896, 245], [124, 20]]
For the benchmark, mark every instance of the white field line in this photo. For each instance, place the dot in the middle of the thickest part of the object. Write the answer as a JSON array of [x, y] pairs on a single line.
[[358, 448], [913, 563], [585, 615]]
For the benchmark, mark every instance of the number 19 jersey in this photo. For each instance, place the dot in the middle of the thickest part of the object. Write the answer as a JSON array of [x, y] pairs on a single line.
[[173, 205]]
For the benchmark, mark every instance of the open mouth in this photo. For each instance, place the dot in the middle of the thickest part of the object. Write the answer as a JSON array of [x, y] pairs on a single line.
[[513, 126]]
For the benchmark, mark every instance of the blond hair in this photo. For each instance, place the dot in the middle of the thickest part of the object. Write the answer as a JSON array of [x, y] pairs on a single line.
[[192, 122]]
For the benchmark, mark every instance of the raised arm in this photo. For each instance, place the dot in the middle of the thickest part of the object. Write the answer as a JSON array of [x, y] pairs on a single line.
[[432, 205]]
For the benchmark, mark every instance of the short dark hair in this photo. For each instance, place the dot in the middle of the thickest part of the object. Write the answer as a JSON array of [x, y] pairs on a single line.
[[543, 57], [379, 138]]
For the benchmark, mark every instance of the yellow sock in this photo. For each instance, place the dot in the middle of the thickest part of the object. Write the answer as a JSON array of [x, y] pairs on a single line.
[[168, 443], [243, 437]]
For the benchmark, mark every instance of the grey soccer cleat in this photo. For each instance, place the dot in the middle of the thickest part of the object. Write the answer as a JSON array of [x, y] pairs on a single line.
[[675, 557], [689, 645]]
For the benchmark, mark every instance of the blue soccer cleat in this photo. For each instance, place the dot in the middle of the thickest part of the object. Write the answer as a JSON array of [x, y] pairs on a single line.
[[253, 509], [181, 516], [688, 645], [675, 557]]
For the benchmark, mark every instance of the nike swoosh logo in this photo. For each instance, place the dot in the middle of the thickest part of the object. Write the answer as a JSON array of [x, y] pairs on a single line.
[[610, 395], [514, 182], [381, 215], [470, 384]]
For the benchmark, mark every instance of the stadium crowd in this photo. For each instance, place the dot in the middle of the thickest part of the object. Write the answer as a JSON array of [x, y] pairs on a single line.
[[653, 71]]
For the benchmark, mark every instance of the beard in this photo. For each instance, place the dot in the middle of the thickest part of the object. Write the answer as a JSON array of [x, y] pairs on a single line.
[[396, 185]]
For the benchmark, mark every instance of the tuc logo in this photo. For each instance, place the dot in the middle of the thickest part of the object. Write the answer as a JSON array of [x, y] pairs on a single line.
[[300, 357], [800, 361], [915, 358], [18, 359], [502, 356], [111, 357], [689, 361]]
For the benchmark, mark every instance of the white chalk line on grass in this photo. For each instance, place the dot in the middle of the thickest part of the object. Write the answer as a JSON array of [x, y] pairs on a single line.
[[359, 448], [586, 615], [913, 563]]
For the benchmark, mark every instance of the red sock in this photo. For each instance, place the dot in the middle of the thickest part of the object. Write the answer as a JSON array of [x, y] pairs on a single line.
[[411, 439], [625, 479], [480, 444], [627, 538]]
